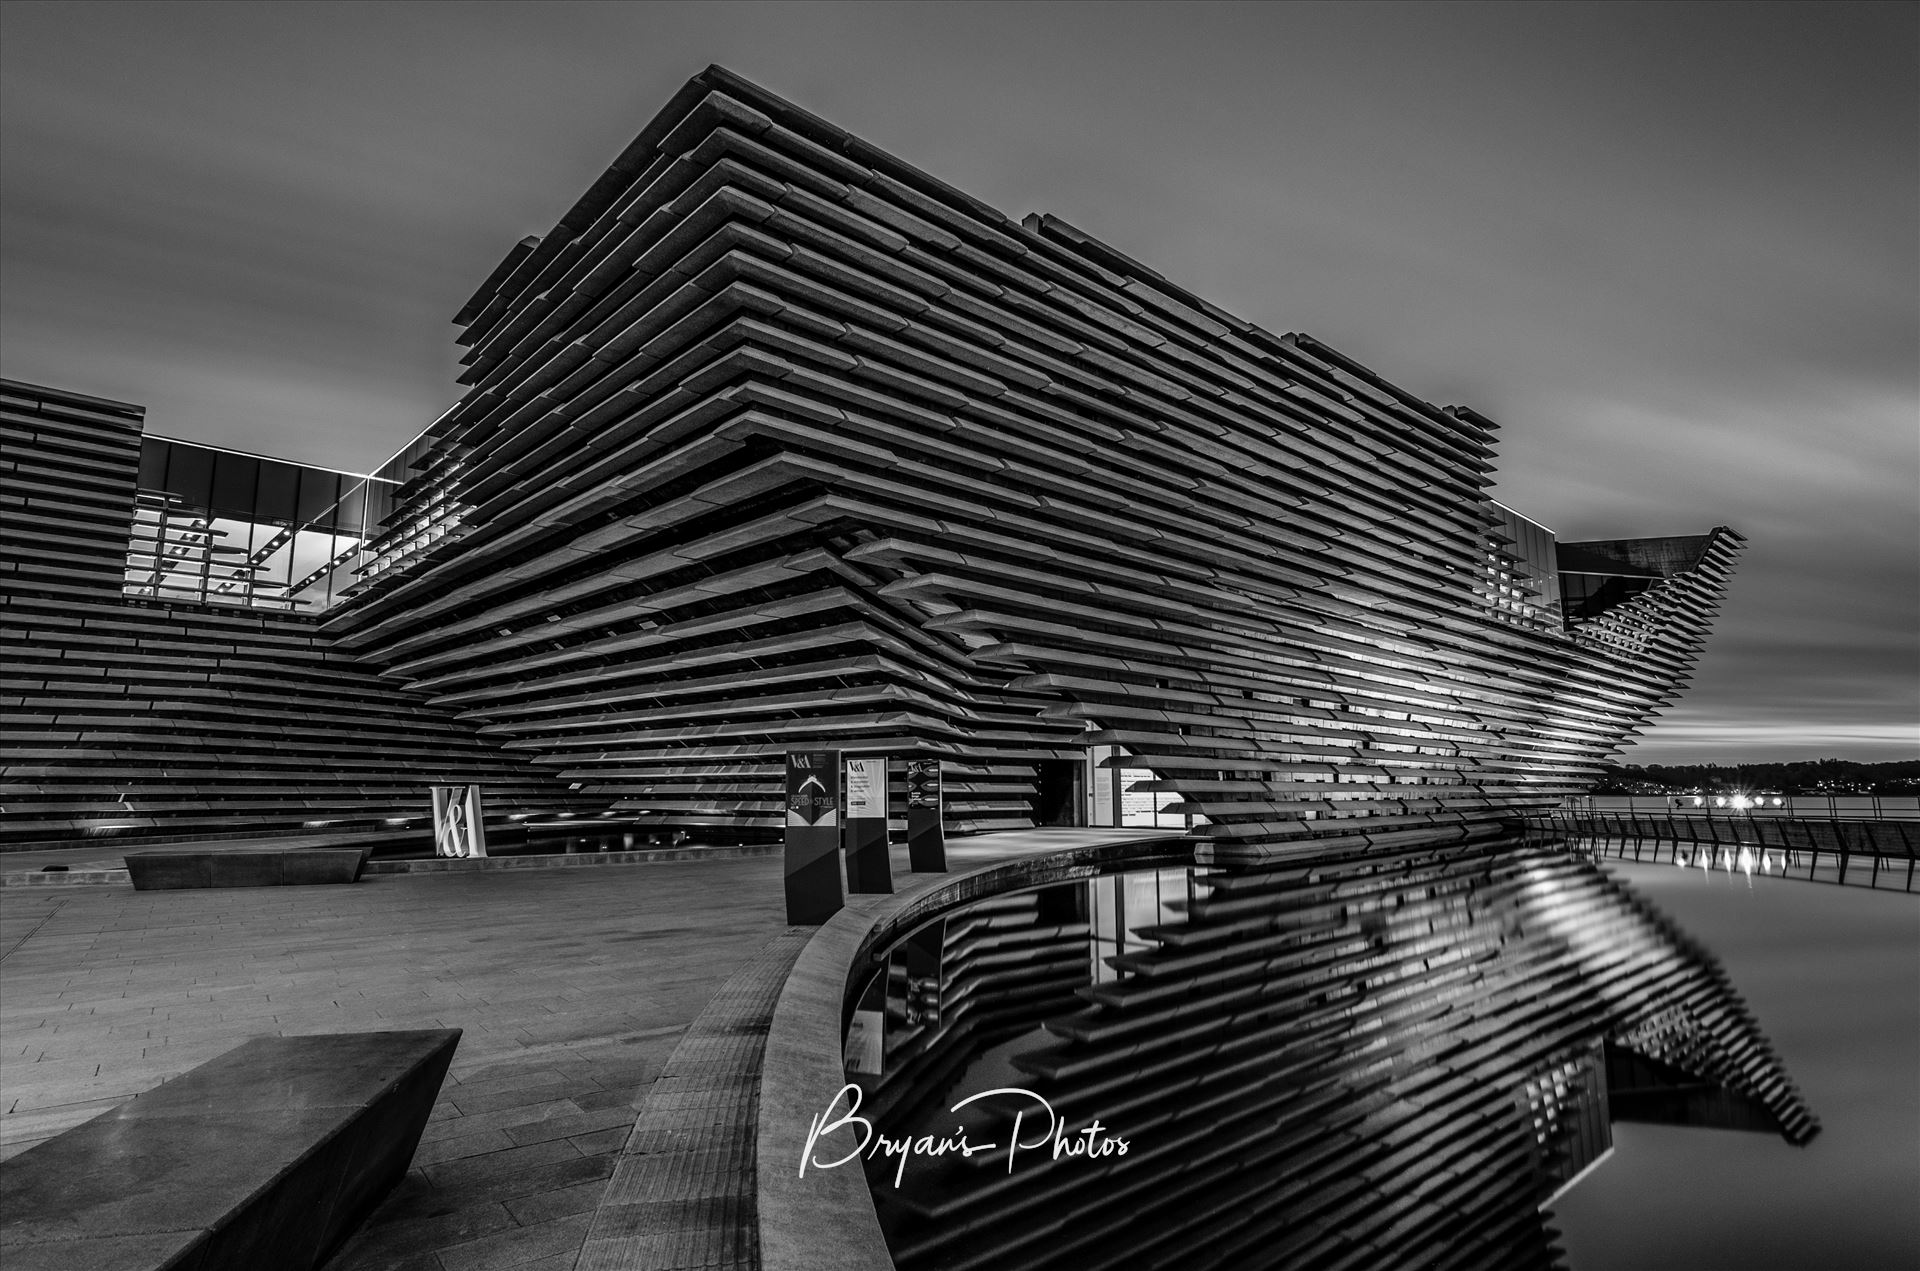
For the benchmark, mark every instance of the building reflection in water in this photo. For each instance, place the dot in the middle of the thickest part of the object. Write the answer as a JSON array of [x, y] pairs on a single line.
[[1374, 1062]]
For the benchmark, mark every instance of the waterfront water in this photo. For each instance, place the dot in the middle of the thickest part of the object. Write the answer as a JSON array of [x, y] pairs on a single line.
[[1393, 1057], [1833, 975]]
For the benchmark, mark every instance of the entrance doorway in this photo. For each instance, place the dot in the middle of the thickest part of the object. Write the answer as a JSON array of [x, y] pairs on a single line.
[[1060, 797]]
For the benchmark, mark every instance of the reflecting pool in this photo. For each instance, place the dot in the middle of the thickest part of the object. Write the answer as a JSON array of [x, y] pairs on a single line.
[[1390, 1060]]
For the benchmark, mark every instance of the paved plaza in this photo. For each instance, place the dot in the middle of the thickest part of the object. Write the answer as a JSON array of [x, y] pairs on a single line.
[[572, 985]]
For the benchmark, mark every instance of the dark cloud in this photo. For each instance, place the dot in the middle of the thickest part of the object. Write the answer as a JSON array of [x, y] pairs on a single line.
[[1671, 247]]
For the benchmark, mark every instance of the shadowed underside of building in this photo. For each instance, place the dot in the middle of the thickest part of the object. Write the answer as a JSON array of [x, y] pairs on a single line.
[[774, 441]]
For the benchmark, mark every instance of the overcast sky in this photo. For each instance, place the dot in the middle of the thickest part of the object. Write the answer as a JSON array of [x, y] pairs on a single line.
[[1674, 250]]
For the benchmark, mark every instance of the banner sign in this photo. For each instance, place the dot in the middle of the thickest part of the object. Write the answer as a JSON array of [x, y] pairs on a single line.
[[458, 829], [813, 884], [923, 783], [867, 788], [813, 788], [868, 867], [1105, 807], [926, 836], [1138, 807]]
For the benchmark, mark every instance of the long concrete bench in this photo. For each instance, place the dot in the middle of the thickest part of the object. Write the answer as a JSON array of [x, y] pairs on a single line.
[[267, 1157], [252, 867]]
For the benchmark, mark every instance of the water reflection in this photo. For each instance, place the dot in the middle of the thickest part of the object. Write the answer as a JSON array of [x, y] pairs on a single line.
[[1744, 861], [1382, 1061]]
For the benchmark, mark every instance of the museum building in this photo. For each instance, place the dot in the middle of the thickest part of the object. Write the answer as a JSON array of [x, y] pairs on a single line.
[[775, 442]]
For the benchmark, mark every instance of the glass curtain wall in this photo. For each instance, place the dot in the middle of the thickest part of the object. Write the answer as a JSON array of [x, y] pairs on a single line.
[[1521, 574], [221, 527]]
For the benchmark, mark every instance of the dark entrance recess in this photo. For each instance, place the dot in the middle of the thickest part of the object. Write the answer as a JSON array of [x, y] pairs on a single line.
[[1060, 797]]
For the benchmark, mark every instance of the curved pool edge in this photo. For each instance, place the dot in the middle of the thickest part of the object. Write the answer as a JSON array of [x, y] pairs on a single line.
[[825, 1221]]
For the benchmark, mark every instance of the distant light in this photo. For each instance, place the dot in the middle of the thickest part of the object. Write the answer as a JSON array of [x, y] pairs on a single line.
[[1776, 803], [396, 820]]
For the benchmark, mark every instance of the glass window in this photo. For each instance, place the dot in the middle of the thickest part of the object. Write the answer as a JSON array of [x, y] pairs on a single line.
[[319, 491], [279, 496], [153, 463], [235, 479], [190, 475]]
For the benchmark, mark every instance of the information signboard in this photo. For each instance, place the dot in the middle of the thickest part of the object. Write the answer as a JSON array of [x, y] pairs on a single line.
[[1105, 808], [867, 788], [926, 835], [814, 889], [868, 869]]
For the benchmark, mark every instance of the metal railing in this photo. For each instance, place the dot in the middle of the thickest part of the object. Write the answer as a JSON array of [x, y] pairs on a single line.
[[1869, 807], [1860, 853]]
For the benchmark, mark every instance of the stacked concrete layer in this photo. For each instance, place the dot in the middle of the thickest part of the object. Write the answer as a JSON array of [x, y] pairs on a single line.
[[775, 441], [137, 720], [1359, 1062]]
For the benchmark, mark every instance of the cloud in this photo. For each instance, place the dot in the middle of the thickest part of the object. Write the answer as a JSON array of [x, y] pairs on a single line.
[[1683, 740]]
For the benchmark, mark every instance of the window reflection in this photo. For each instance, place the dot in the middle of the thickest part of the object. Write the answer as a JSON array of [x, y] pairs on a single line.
[[1122, 906]]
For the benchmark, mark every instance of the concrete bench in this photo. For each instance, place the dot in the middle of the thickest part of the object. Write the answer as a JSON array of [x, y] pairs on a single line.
[[268, 1157], [253, 867]]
